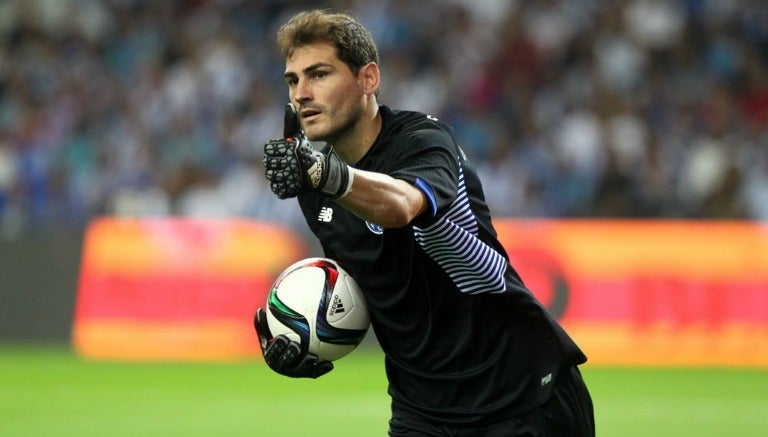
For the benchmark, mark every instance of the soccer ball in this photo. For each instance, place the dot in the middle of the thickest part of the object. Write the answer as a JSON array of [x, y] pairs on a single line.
[[319, 305]]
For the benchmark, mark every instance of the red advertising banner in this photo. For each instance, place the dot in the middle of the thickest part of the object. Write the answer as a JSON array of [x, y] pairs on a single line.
[[651, 292], [176, 289], [656, 293]]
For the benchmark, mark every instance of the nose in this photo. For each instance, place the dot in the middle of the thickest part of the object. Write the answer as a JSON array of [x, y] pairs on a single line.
[[302, 91]]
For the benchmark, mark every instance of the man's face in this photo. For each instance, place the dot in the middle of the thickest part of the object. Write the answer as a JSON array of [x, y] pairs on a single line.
[[325, 92]]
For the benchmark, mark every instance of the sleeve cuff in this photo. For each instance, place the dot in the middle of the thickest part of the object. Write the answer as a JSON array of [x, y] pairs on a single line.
[[429, 194]]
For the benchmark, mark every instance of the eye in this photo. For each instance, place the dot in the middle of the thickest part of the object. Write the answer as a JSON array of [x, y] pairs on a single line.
[[319, 74]]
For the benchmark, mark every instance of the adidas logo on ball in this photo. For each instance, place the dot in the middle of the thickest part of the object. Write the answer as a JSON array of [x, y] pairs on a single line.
[[337, 306]]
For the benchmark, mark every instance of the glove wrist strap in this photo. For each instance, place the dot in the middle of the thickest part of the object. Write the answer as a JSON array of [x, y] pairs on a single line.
[[348, 187], [339, 181]]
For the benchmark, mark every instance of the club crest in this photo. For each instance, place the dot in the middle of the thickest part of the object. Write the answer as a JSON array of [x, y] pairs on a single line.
[[373, 227]]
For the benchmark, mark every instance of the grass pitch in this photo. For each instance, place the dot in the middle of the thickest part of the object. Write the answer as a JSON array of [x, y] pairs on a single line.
[[48, 391]]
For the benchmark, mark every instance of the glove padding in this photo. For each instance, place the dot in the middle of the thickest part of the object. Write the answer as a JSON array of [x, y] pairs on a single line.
[[294, 167], [286, 357]]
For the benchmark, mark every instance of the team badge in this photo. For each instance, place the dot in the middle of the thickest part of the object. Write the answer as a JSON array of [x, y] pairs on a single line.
[[373, 227]]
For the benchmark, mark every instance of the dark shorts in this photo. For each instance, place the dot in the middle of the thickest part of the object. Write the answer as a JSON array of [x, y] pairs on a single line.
[[567, 413]]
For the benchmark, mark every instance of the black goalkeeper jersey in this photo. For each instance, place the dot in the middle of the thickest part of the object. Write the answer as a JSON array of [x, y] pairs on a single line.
[[465, 341]]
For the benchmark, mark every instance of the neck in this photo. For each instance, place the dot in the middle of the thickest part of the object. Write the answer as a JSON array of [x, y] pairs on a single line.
[[352, 148]]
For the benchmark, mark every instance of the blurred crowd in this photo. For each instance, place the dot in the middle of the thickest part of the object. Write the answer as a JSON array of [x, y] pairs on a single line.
[[569, 108]]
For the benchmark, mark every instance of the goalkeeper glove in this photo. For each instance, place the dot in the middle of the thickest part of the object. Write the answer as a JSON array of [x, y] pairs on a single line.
[[286, 357], [294, 167]]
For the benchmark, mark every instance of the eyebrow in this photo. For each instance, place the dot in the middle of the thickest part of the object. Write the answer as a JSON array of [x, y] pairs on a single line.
[[311, 68]]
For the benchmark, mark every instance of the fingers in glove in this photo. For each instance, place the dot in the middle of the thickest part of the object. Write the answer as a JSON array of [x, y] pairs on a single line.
[[282, 168], [284, 189], [274, 352], [287, 358], [262, 328], [290, 358], [277, 162], [311, 367], [277, 148]]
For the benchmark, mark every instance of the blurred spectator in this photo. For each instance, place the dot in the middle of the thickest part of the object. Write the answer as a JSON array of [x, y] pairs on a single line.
[[646, 108]]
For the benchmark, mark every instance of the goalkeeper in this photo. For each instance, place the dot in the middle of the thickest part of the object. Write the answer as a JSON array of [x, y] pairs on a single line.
[[468, 349]]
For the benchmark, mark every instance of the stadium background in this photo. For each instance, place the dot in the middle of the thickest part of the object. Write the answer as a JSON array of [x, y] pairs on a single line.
[[650, 110]]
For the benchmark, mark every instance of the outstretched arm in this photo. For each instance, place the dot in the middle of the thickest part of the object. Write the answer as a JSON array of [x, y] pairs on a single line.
[[382, 199], [293, 167]]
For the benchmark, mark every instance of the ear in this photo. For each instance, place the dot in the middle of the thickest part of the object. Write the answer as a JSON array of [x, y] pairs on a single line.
[[368, 77]]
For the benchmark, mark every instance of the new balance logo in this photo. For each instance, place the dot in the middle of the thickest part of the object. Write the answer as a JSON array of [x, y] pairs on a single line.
[[337, 306], [326, 214]]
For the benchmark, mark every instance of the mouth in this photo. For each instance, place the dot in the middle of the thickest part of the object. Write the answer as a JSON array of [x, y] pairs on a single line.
[[309, 114]]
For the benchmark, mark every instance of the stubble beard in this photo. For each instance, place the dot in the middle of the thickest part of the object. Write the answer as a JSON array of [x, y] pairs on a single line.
[[339, 128]]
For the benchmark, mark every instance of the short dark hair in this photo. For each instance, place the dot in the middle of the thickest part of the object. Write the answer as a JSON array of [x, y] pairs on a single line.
[[354, 44]]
